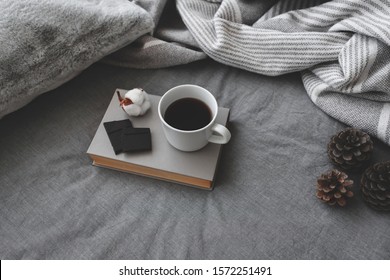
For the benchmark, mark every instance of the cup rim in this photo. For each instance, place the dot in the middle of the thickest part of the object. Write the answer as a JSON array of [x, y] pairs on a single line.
[[187, 131]]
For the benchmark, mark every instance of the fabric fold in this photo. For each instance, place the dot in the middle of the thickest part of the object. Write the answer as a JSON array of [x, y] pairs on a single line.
[[169, 44]]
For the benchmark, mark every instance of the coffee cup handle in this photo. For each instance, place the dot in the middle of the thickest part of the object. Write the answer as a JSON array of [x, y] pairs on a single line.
[[221, 135]]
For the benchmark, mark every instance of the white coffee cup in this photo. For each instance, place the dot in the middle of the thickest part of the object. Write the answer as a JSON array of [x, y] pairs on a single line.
[[192, 140]]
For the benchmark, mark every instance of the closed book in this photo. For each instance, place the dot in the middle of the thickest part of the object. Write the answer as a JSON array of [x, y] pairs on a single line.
[[164, 162]]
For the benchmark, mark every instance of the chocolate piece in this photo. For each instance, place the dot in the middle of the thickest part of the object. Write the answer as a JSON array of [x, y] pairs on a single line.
[[116, 125], [136, 139], [114, 131]]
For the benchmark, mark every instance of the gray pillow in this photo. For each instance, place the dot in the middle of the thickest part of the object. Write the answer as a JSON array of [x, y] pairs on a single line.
[[44, 43]]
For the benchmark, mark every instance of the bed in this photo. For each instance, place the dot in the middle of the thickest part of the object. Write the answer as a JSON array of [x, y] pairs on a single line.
[[55, 205]]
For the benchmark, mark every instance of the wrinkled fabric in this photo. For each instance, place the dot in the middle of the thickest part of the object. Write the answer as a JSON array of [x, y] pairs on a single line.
[[342, 48], [55, 205]]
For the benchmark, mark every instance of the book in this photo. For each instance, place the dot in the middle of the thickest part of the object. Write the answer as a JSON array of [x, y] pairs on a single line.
[[164, 162]]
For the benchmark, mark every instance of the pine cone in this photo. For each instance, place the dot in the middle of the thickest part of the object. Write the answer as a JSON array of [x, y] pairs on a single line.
[[332, 187], [375, 186], [350, 148]]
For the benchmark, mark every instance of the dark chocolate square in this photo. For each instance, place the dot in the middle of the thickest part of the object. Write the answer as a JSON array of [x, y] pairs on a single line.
[[114, 131], [136, 139], [116, 125], [116, 141]]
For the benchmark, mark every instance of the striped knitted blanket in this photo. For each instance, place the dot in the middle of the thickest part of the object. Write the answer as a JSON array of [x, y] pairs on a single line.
[[341, 47]]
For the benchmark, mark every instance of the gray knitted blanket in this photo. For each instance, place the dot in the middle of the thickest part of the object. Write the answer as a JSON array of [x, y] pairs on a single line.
[[341, 47]]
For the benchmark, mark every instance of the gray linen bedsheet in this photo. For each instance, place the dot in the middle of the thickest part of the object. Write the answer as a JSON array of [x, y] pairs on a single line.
[[55, 205]]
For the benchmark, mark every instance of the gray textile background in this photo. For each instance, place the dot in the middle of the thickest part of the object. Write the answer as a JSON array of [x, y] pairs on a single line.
[[55, 205]]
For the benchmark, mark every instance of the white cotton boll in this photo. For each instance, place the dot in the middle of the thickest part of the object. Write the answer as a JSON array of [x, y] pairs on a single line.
[[136, 95], [140, 102]]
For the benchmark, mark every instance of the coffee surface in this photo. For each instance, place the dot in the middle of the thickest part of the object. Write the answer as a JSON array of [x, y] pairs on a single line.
[[188, 114]]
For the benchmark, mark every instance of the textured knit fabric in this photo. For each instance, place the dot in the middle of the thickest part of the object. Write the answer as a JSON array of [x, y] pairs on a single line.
[[342, 48]]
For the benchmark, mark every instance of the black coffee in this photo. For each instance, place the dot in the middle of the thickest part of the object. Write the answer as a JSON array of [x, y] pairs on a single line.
[[188, 114]]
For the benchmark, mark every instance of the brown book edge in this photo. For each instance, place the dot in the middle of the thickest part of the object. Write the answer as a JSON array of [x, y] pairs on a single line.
[[151, 172]]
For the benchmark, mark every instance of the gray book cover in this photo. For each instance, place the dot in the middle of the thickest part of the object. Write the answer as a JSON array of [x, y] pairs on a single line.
[[163, 157]]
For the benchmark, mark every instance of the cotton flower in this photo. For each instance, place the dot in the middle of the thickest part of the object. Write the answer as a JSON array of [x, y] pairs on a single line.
[[136, 102]]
